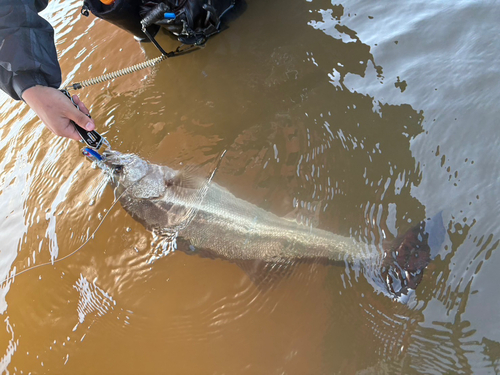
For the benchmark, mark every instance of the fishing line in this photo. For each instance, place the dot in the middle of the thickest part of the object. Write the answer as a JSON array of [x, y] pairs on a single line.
[[73, 252]]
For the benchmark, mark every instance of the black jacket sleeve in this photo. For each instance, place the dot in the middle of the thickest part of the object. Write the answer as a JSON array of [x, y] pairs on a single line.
[[28, 55]]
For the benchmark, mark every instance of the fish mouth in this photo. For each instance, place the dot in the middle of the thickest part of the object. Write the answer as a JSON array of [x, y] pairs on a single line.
[[114, 162], [110, 161], [109, 154], [112, 158], [108, 157]]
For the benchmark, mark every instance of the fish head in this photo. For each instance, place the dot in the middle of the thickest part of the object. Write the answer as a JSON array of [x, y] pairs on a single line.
[[124, 169], [161, 198]]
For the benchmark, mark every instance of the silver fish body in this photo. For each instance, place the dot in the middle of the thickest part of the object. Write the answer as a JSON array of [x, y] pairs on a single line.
[[209, 217], [236, 229]]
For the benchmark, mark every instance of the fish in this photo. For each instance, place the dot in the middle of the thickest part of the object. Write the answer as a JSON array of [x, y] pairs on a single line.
[[176, 205]]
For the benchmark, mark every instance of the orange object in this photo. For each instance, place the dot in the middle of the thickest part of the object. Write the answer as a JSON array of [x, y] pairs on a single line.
[[107, 2]]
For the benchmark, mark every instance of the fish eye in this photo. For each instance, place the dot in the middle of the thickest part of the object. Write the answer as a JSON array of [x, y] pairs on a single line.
[[118, 168]]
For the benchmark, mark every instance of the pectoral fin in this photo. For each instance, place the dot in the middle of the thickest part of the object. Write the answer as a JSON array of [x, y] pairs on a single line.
[[186, 178], [192, 188]]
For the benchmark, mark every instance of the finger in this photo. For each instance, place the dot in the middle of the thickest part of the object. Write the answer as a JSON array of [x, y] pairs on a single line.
[[80, 104], [81, 120], [64, 128], [71, 132]]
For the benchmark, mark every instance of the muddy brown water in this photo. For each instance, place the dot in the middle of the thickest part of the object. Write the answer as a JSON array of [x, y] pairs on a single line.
[[386, 113]]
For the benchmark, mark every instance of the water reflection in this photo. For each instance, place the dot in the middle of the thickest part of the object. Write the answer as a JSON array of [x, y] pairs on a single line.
[[92, 299]]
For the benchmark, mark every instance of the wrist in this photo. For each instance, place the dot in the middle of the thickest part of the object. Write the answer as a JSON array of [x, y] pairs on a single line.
[[26, 80], [32, 94]]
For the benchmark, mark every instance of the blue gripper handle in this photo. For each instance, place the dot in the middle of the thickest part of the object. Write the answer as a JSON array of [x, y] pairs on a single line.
[[169, 16]]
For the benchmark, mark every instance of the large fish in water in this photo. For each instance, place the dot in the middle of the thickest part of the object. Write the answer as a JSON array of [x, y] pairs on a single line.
[[175, 205]]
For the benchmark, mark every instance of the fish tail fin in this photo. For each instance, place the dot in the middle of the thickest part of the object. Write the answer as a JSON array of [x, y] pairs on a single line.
[[404, 263]]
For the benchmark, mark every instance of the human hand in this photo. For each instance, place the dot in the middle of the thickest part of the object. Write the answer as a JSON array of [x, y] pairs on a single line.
[[56, 111]]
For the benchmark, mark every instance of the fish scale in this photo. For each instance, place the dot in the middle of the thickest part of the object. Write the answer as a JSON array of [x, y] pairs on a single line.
[[237, 229]]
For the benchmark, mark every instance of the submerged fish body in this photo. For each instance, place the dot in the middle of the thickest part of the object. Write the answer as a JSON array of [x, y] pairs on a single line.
[[212, 218], [235, 229], [175, 205]]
